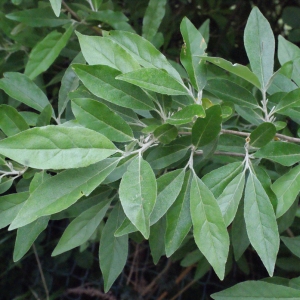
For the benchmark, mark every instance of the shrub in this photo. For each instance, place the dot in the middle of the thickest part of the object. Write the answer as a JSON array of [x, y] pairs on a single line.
[[194, 152]]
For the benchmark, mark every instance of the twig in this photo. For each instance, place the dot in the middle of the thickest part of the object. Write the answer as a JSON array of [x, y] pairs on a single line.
[[41, 271], [290, 232], [153, 282], [200, 152], [246, 134], [183, 290], [92, 292]]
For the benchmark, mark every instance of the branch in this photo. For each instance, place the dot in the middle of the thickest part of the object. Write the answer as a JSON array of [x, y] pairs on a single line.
[[246, 134]]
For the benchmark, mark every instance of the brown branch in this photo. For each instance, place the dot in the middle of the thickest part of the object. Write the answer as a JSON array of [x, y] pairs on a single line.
[[41, 271], [153, 282], [183, 290], [92, 292]]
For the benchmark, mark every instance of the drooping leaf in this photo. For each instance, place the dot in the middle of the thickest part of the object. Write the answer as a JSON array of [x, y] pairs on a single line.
[[239, 236], [155, 80], [284, 153], [229, 91], [287, 188], [229, 200], [262, 135], [10, 206], [236, 69], [138, 194], [157, 240], [81, 228], [97, 116], [209, 226], [61, 191], [100, 80], [113, 250], [168, 188], [292, 243], [205, 130], [218, 179], [261, 223], [57, 147], [143, 51], [153, 16], [166, 133], [104, 51], [56, 5], [179, 218], [69, 83], [27, 235], [44, 117], [46, 51], [260, 46], [11, 122], [186, 115], [39, 17], [194, 47], [257, 290], [21, 88]]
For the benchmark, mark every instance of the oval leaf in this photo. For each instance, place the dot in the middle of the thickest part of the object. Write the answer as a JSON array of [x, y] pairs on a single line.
[[166, 133], [186, 115], [262, 135], [138, 194], [209, 226], [97, 116]]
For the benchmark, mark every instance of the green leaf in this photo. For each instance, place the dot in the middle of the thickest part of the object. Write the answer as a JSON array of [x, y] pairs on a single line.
[[292, 99], [229, 200], [207, 129], [57, 147], [209, 226], [10, 206], [97, 116], [239, 236], [204, 30], [21, 88], [100, 80], [143, 51], [113, 250], [166, 133], [46, 51], [284, 153], [178, 217], [104, 51], [69, 83], [27, 235], [155, 80], [138, 194], [218, 179], [194, 47], [157, 240], [293, 244], [235, 69], [11, 122], [261, 223], [44, 118], [61, 191], [162, 157], [168, 188], [287, 51], [262, 135], [125, 228], [56, 5], [260, 46], [186, 115], [82, 228], [153, 16], [39, 17], [257, 290], [5, 184], [231, 92], [287, 189]]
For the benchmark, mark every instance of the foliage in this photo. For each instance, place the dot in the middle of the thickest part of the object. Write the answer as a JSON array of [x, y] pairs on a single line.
[[192, 153]]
